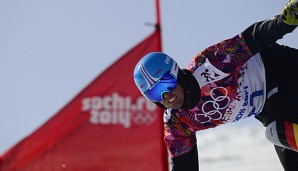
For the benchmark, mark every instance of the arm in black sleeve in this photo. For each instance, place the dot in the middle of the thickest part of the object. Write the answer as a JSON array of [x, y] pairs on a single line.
[[261, 34], [186, 162]]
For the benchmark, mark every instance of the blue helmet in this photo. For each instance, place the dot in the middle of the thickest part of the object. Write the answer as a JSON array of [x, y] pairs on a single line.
[[151, 68]]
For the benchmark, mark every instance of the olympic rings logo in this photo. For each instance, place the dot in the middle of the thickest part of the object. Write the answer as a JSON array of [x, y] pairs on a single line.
[[144, 118], [212, 108]]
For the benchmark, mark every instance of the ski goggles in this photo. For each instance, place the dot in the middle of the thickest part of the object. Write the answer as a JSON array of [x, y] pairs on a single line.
[[167, 83]]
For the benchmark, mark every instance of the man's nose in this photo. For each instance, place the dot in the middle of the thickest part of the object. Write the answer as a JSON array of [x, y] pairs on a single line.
[[165, 95]]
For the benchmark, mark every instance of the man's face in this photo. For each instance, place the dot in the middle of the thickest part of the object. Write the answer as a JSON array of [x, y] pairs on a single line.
[[174, 99]]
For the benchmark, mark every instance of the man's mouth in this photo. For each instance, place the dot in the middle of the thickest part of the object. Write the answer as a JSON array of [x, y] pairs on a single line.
[[172, 99]]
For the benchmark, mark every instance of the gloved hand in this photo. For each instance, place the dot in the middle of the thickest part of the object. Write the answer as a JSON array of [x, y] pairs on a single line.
[[290, 13]]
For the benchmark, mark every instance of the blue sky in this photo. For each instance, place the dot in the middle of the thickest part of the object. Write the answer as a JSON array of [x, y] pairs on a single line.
[[50, 50]]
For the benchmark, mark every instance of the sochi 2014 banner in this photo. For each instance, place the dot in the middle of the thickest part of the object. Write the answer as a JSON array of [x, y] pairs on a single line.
[[109, 126]]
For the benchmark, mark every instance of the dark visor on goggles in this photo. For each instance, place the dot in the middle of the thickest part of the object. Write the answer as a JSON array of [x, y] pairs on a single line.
[[166, 84]]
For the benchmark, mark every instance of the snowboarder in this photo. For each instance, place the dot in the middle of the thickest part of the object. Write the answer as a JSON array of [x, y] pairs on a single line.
[[247, 75]]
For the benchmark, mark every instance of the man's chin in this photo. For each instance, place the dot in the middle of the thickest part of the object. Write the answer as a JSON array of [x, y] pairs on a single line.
[[177, 106]]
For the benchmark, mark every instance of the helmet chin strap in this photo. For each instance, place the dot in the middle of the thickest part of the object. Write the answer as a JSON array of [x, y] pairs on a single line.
[[191, 89], [186, 95]]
